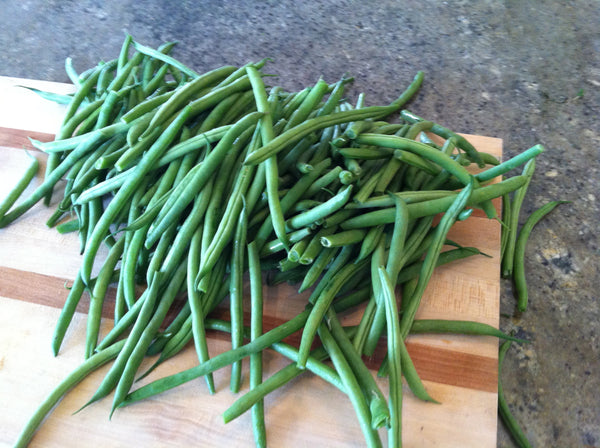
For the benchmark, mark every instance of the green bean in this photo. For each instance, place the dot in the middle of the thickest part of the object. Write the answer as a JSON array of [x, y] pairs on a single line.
[[437, 129], [416, 128], [256, 329], [394, 341], [394, 264], [510, 164], [321, 305], [417, 162], [290, 198], [136, 355], [193, 144], [296, 133], [71, 72], [124, 323], [235, 294], [298, 249], [322, 182], [54, 160], [460, 327], [171, 154], [505, 220], [293, 102], [186, 230], [50, 180], [218, 285], [321, 211], [113, 376], [20, 187], [271, 169], [276, 246], [153, 85], [343, 238], [380, 415], [410, 197], [75, 377], [418, 148], [150, 105], [97, 297], [51, 96], [308, 104], [366, 322], [68, 226], [171, 341], [275, 381], [67, 313], [519, 252], [200, 177], [507, 417], [101, 159], [370, 241], [165, 58], [517, 202], [123, 76], [184, 94], [129, 158], [317, 268], [160, 252], [434, 206], [387, 174], [219, 361], [194, 299], [383, 127], [334, 98], [106, 110], [216, 95], [351, 385], [314, 247], [432, 256], [417, 242], [224, 232], [290, 352], [291, 158]]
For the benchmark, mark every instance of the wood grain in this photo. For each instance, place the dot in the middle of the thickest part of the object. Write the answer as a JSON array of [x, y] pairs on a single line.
[[35, 263]]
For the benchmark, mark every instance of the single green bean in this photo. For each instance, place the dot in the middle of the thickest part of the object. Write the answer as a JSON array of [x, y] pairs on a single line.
[[506, 415], [235, 294], [420, 326], [321, 211], [519, 253], [75, 377], [434, 206], [256, 329], [510, 164], [517, 202], [20, 187], [394, 353], [437, 129], [343, 238]]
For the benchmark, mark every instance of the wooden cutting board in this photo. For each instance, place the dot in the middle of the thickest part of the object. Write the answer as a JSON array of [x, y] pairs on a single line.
[[37, 262]]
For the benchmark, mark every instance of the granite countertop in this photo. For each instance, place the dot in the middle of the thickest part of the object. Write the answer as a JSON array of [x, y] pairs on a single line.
[[510, 70]]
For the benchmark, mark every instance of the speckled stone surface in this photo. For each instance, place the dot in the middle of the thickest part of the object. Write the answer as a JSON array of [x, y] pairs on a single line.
[[524, 71]]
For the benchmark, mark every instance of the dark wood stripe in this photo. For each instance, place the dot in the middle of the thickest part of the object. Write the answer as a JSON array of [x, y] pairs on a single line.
[[19, 138], [432, 363]]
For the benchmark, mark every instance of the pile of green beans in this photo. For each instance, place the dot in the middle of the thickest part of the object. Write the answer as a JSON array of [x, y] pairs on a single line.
[[191, 180]]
